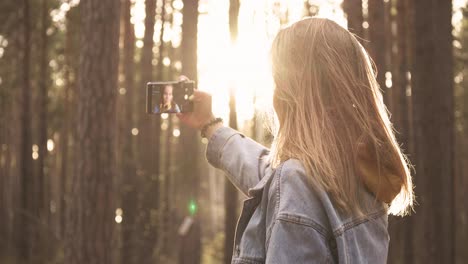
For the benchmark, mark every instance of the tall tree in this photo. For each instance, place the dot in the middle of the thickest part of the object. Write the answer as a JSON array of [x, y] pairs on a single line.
[[68, 135], [400, 228], [43, 181], [91, 210], [401, 88], [25, 227], [378, 46], [164, 229], [149, 133], [230, 191], [189, 139], [11, 113], [161, 50], [461, 119], [129, 190], [189, 38], [353, 11], [433, 113]]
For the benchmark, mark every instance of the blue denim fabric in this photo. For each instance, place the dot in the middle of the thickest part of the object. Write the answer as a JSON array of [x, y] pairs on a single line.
[[284, 219]]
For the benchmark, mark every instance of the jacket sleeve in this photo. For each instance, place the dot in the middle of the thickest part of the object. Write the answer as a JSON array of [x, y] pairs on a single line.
[[292, 242], [243, 159]]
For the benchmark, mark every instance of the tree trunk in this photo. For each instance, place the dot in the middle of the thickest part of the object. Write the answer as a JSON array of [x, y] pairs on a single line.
[[91, 211], [11, 111], [230, 191], [43, 181], [353, 11], [165, 192], [189, 39], [378, 46], [148, 158], [461, 149], [129, 187], [68, 135], [189, 138], [461, 179], [25, 227], [230, 196], [164, 229], [400, 250], [161, 42], [433, 110]]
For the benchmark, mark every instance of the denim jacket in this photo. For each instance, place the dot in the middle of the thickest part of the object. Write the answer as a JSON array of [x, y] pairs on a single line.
[[284, 220]]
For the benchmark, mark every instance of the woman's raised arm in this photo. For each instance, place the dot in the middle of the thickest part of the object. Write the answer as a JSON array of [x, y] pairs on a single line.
[[244, 160]]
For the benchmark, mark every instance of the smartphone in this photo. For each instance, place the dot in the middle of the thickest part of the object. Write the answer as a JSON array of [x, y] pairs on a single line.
[[169, 97]]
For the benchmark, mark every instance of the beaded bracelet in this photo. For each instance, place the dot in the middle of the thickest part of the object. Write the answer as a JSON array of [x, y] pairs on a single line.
[[207, 125]]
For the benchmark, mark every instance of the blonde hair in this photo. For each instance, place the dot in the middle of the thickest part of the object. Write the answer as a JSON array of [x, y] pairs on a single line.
[[332, 117]]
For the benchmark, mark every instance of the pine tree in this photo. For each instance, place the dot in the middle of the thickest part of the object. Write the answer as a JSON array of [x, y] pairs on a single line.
[[433, 120], [90, 229], [461, 139]]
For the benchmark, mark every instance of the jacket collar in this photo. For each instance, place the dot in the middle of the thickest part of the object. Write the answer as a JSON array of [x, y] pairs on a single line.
[[258, 188]]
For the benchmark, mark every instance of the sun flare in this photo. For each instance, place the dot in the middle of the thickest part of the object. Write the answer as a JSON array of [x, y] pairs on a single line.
[[242, 67]]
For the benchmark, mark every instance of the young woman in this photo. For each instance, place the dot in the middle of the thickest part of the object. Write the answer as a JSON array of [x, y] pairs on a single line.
[[323, 192], [167, 98]]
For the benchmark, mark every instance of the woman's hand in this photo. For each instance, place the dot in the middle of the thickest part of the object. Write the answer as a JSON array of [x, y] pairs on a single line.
[[201, 114]]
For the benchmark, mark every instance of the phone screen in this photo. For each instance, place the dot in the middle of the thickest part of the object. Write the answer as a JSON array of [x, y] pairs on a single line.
[[169, 97]]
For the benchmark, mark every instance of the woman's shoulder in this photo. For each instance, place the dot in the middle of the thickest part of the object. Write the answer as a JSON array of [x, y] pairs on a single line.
[[300, 200], [297, 199], [291, 174]]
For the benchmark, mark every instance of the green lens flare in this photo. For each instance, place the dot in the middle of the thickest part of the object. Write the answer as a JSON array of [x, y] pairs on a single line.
[[192, 207]]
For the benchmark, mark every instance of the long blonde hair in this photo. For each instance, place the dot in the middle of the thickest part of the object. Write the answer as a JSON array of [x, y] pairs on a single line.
[[332, 117]]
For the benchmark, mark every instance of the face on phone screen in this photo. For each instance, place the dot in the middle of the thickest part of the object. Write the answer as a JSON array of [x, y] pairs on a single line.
[[165, 103], [170, 98]]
